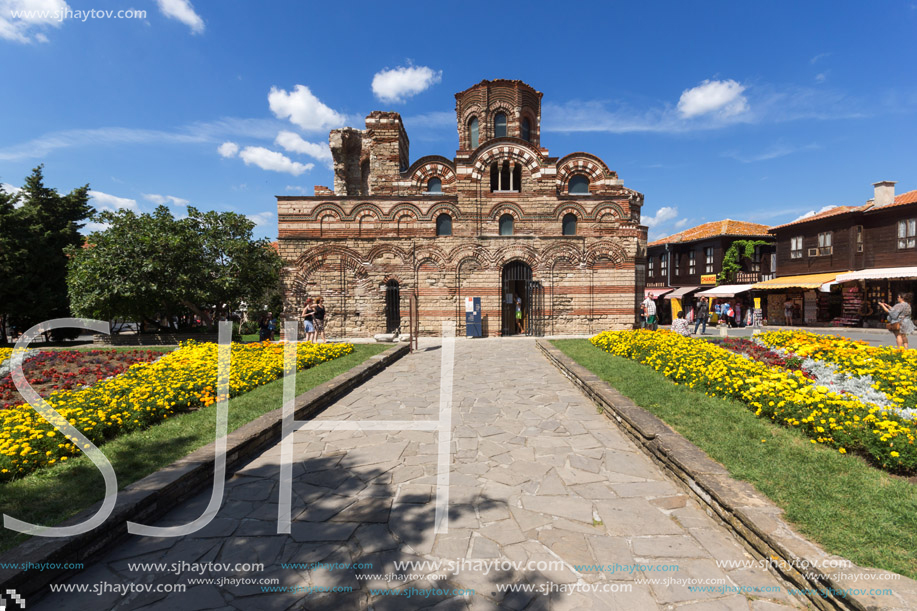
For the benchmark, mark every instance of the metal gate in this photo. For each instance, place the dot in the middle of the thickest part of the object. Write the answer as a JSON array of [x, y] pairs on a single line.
[[520, 292], [392, 306]]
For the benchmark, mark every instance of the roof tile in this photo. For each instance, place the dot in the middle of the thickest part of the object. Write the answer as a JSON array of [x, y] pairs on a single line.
[[713, 229]]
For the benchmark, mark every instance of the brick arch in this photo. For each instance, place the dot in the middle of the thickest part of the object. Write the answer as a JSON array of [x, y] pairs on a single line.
[[389, 277], [396, 211], [326, 208], [517, 252], [506, 207], [471, 251], [361, 210], [438, 207], [582, 163], [383, 249], [512, 149], [573, 207], [608, 208], [433, 169], [431, 254], [507, 106], [561, 251], [607, 250]]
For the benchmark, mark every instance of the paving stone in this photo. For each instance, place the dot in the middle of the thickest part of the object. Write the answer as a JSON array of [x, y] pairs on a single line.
[[631, 516], [668, 547], [573, 508], [531, 469]]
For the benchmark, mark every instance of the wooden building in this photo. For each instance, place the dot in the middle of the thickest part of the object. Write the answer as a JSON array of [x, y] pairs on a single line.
[[837, 265], [680, 265]]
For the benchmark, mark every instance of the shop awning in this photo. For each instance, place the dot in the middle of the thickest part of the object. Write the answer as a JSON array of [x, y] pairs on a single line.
[[879, 273], [655, 293], [725, 290], [681, 292], [805, 281]]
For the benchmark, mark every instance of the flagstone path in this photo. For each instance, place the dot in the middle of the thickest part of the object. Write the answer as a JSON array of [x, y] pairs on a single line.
[[537, 475]]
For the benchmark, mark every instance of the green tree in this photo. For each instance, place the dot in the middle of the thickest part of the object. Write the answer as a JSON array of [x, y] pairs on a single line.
[[144, 266], [33, 241]]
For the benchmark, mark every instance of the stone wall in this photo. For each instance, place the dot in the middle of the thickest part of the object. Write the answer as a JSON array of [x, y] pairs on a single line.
[[380, 224]]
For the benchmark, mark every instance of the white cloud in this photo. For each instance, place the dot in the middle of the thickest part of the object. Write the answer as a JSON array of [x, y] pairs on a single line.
[[821, 77], [681, 223], [10, 188], [165, 199], [399, 84], [272, 160], [666, 213], [182, 10], [32, 16], [91, 226], [724, 97], [295, 144], [261, 219], [213, 131], [779, 149], [812, 213], [104, 201], [302, 108], [228, 149], [818, 58]]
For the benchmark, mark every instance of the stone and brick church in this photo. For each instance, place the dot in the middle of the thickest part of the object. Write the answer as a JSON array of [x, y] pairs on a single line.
[[502, 220]]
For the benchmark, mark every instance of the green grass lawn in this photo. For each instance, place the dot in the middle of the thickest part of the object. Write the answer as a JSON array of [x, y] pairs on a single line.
[[840, 502], [52, 495]]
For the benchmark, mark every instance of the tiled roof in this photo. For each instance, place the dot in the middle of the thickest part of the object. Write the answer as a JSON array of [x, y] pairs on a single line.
[[905, 198], [716, 228], [821, 215]]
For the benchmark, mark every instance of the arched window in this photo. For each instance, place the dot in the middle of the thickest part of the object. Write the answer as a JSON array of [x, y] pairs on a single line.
[[443, 224], [500, 125], [579, 185], [473, 132], [506, 224], [526, 130], [435, 185], [569, 224], [505, 177]]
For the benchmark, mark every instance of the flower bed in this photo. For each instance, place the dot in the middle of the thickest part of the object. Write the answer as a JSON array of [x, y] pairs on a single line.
[[750, 349], [785, 397], [893, 371], [50, 371], [146, 393]]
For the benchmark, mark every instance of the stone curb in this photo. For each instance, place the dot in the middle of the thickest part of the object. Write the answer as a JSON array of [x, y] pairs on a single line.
[[753, 518], [152, 497]]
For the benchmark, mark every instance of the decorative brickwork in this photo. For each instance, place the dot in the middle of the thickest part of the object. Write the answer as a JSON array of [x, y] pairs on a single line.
[[381, 224]]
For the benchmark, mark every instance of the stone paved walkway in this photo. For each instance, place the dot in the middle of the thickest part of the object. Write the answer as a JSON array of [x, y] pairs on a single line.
[[537, 475]]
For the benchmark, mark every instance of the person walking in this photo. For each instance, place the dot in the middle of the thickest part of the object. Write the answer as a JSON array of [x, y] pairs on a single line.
[[520, 321], [262, 328], [899, 319], [319, 318], [271, 326], [308, 320], [650, 307], [700, 316], [788, 311], [681, 326]]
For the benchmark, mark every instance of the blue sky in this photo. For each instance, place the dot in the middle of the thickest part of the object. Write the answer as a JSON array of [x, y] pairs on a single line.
[[757, 112]]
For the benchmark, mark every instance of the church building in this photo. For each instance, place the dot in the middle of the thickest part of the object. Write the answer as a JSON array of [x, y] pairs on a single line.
[[558, 238]]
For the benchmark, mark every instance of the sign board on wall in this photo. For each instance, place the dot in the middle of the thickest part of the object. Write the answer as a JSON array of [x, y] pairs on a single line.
[[708, 279]]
